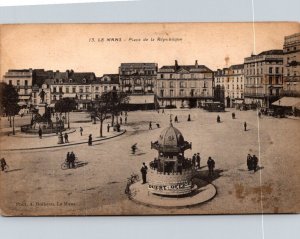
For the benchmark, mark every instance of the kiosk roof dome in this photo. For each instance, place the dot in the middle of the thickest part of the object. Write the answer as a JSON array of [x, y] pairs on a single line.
[[171, 136]]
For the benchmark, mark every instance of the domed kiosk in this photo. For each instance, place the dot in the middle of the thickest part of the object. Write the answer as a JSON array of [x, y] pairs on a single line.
[[170, 176], [170, 173]]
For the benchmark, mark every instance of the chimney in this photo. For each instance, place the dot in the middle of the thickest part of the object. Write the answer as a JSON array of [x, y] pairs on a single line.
[[196, 63], [176, 65]]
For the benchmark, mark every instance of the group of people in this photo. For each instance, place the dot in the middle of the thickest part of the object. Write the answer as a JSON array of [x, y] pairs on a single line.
[[196, 160], [252, 162], [71, 159]]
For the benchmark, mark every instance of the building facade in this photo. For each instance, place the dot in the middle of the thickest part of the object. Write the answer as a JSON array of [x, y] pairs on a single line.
[[137, 78], [263, 77], [184, 85], [291, 62], [231, 82], [22, 82]]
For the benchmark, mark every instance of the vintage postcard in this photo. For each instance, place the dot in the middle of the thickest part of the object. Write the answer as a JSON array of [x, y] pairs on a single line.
[[149, 119]]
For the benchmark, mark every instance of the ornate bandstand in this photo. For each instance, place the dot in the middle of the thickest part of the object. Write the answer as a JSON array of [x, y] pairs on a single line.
[[170, 173]]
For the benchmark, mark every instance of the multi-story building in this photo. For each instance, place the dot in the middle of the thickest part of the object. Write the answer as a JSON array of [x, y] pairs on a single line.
[[231, 82], [291, 62], [184, 85], [263, 77], [22, 81], [72, 85], [138, 78]]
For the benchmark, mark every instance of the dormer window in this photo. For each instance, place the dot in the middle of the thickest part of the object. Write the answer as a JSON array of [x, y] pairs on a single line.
[[84, 80], [70, 80], [60, 81]]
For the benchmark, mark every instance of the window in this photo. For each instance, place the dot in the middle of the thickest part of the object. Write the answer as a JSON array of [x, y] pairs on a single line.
[[60, 89], [270, 80], [161, 76], [74, 89], [277, 70], [18, 82], [181, 84], [270, 70], [67, 89], [171, 84], [162, 84], [81, 90], [26, 82], [54, 89], [105, 88], [171, 93], [10, 82], [87, 89], [171, 76], [181, 92], [97, 88]]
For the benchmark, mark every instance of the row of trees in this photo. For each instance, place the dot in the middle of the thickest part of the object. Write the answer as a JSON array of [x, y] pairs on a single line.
[[109, 104], [9, 99]]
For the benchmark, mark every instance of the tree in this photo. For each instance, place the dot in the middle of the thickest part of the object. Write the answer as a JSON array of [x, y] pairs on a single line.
[[65, 105], [101, 108], [117, 103], [9, 102]]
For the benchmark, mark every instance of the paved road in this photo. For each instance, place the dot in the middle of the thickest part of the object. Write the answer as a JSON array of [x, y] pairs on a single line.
[[98, 186]]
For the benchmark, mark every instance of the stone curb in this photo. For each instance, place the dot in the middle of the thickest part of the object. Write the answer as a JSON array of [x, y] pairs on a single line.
[[63, 145]]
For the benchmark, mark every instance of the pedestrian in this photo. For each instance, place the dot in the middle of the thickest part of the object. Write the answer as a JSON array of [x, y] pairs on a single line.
[[157, 125], [72, 160], [189, 118], [40, 133], [108, 127], [218, 119], [144, 170], [150, 125], [233, 115], [66, 136], [90, 140], [198, 160], [249, 162], [68, 159], [211, 166], [3, 164], [194, 160], [163, 111], [254, 163], [125, 119], [259, 114], [121, 120], [81, 130], [125, 113], [176, 119], [245, 126]]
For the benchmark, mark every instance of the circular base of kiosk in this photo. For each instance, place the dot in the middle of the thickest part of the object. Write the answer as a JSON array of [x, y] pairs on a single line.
[[202, 192]]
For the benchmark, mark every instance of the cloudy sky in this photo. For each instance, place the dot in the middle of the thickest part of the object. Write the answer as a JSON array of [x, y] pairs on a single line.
[[70, 46]]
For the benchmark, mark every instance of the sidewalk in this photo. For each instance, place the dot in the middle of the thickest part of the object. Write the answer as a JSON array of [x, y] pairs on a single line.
[[22, 141]]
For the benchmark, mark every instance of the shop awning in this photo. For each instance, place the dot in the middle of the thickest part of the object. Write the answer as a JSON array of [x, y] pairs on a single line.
[[69, 95], [287, 102], [24, 97], [141, 99]]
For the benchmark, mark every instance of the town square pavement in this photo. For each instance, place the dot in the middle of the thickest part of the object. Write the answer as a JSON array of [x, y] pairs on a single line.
[[36, 185]]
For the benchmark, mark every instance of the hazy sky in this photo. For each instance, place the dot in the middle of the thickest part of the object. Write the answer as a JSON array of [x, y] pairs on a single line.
[[68, 46]]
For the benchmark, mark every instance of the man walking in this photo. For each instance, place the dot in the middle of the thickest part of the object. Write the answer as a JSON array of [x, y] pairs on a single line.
[[218, 119], [211, 166], [194, 160], [108, 127], [66, 138], [90, 140], [249, 162], [198, 160], [40, 133], [125, 119], [144, 170], [254, 163], [245, 126], [150, 125], [121, 120], [81, 130]]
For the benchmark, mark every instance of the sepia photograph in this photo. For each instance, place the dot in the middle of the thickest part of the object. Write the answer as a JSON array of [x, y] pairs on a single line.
[[149, 119]]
